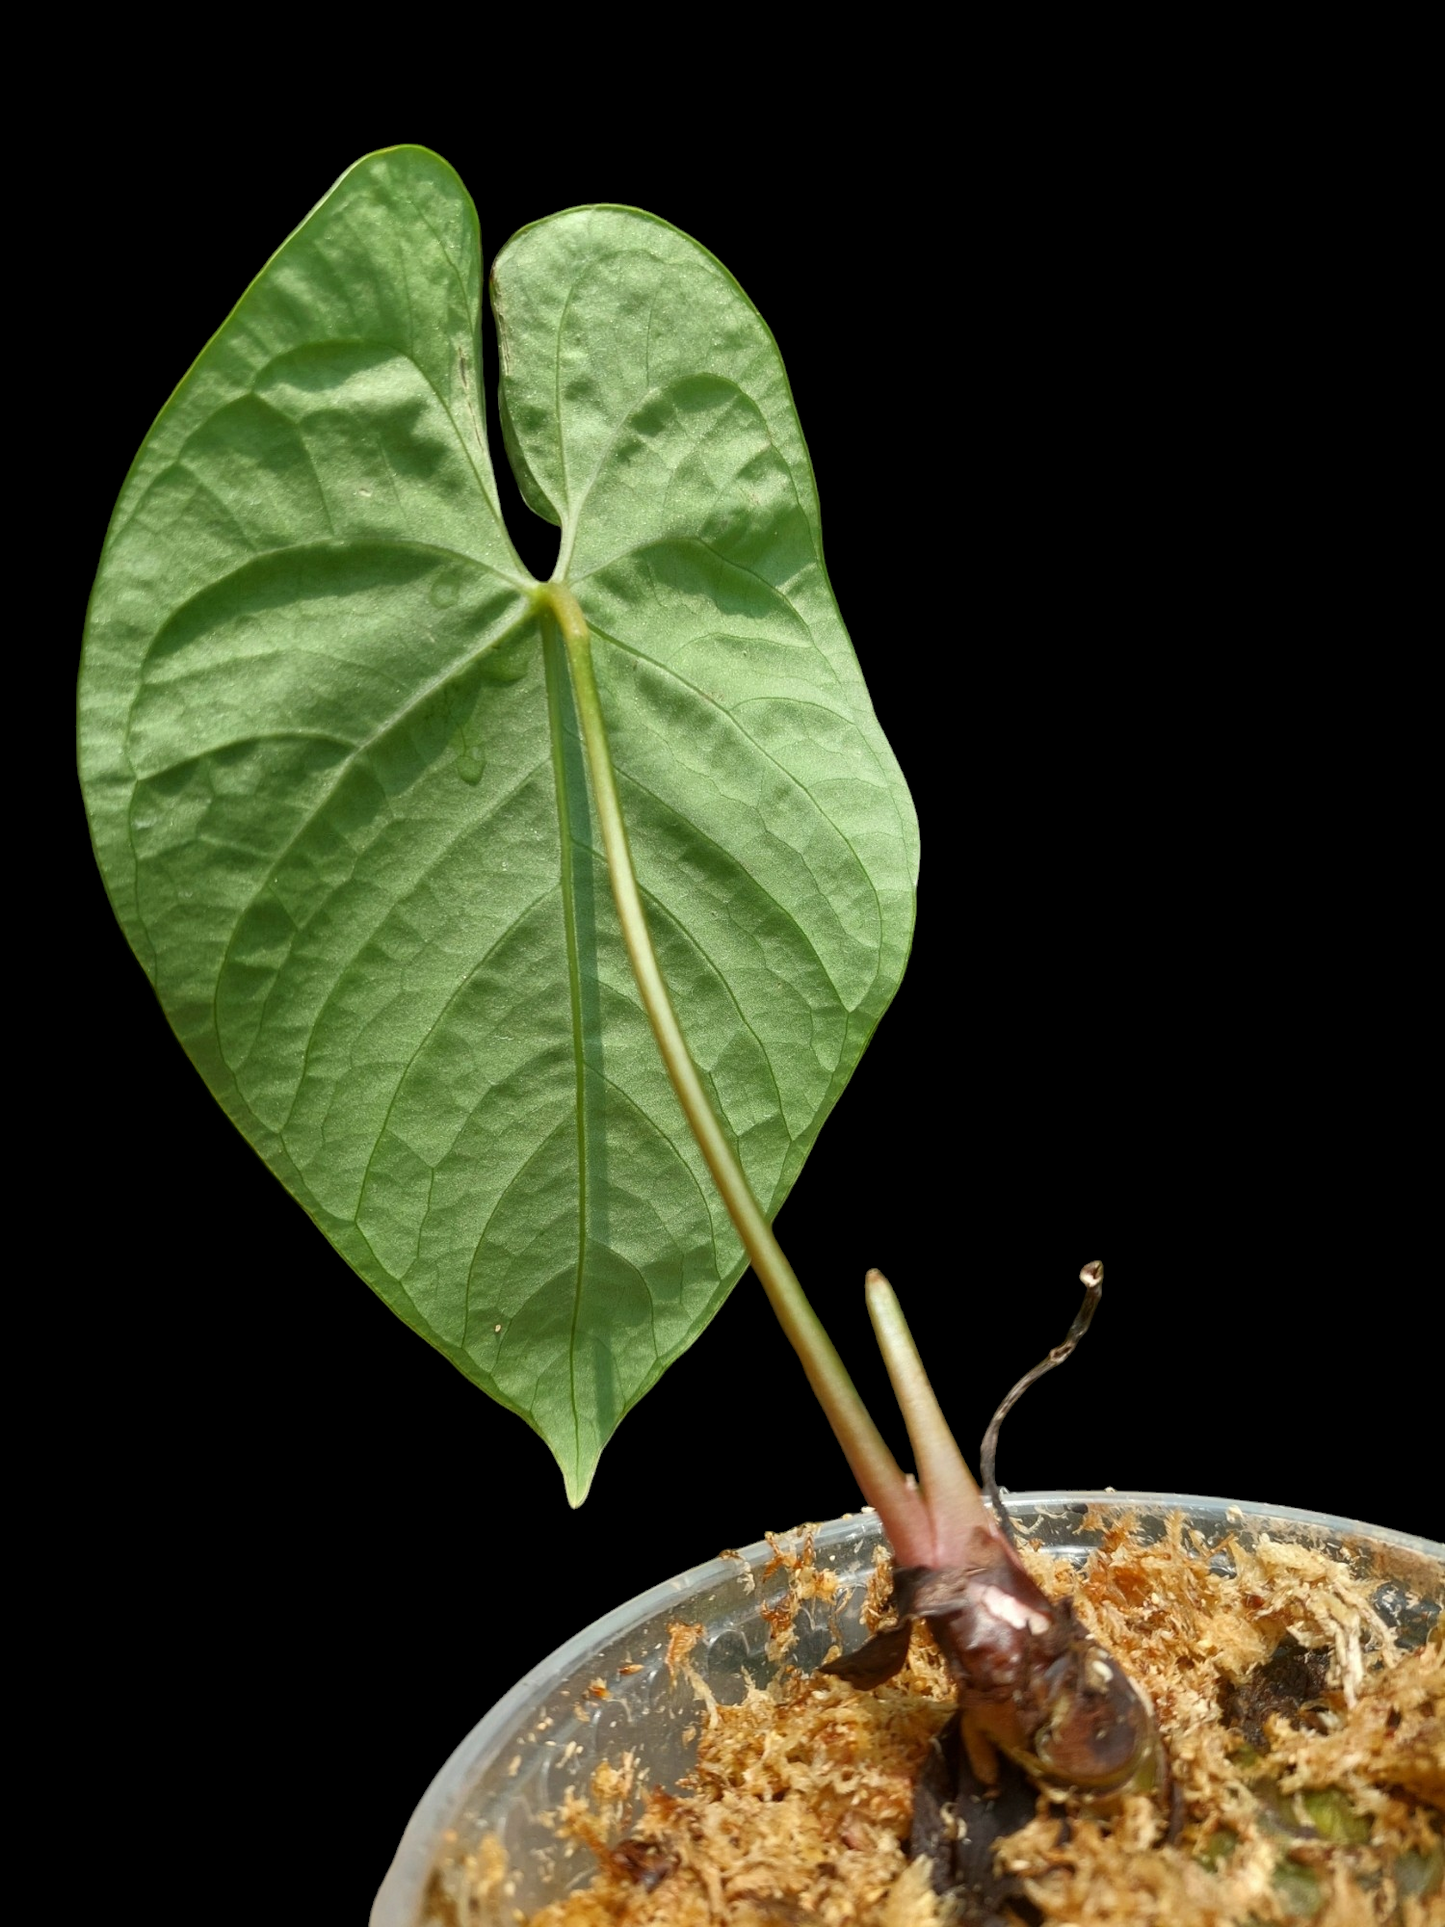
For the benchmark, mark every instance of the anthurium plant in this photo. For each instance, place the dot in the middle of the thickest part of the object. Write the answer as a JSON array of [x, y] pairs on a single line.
[[530, 929]]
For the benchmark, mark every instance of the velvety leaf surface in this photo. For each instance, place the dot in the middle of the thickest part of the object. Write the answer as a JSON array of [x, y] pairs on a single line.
[[338, 795]]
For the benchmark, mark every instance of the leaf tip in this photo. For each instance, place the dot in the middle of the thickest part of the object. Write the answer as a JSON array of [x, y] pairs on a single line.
[[577, 1479]]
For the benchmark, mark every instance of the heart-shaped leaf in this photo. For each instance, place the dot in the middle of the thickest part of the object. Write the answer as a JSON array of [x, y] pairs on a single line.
[[332, 764]]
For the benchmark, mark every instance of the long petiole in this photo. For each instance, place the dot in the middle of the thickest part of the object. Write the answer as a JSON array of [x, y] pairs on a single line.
[[873, 1465]]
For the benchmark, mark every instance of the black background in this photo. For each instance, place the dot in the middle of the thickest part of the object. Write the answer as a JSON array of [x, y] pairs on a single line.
[[1161, 1008]]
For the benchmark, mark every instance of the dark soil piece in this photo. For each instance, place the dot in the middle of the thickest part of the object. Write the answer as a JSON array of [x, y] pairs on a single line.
[[1292, 1677], [644, 1862], [958, 1822]]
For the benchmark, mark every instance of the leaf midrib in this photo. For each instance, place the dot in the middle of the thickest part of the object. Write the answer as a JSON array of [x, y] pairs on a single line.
[[557, 682]]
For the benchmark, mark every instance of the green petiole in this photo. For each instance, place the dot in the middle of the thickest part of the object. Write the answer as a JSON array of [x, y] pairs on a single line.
[[896, 1499]]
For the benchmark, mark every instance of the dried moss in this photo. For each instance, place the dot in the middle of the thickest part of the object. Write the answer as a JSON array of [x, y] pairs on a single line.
[[1308, 1750]]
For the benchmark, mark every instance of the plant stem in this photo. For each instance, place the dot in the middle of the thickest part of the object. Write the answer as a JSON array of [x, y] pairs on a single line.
[[873, 1464]]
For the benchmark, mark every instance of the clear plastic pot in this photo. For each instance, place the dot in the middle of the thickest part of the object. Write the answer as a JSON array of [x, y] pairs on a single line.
[[516, 1763]]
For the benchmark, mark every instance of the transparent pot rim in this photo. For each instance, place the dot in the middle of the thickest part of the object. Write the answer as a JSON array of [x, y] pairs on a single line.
[[397, 1898]]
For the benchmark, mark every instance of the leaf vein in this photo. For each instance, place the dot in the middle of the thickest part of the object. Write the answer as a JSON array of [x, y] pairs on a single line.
[[342, 772], [344, 968]]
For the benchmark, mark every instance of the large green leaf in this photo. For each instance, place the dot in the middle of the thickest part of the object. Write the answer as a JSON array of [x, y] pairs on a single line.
[[337, 792]]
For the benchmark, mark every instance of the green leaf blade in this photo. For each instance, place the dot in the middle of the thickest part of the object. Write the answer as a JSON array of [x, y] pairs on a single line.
[[338, 795]]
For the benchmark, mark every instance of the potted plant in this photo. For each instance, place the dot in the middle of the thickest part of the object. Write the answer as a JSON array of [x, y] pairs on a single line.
[[463, 752]]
